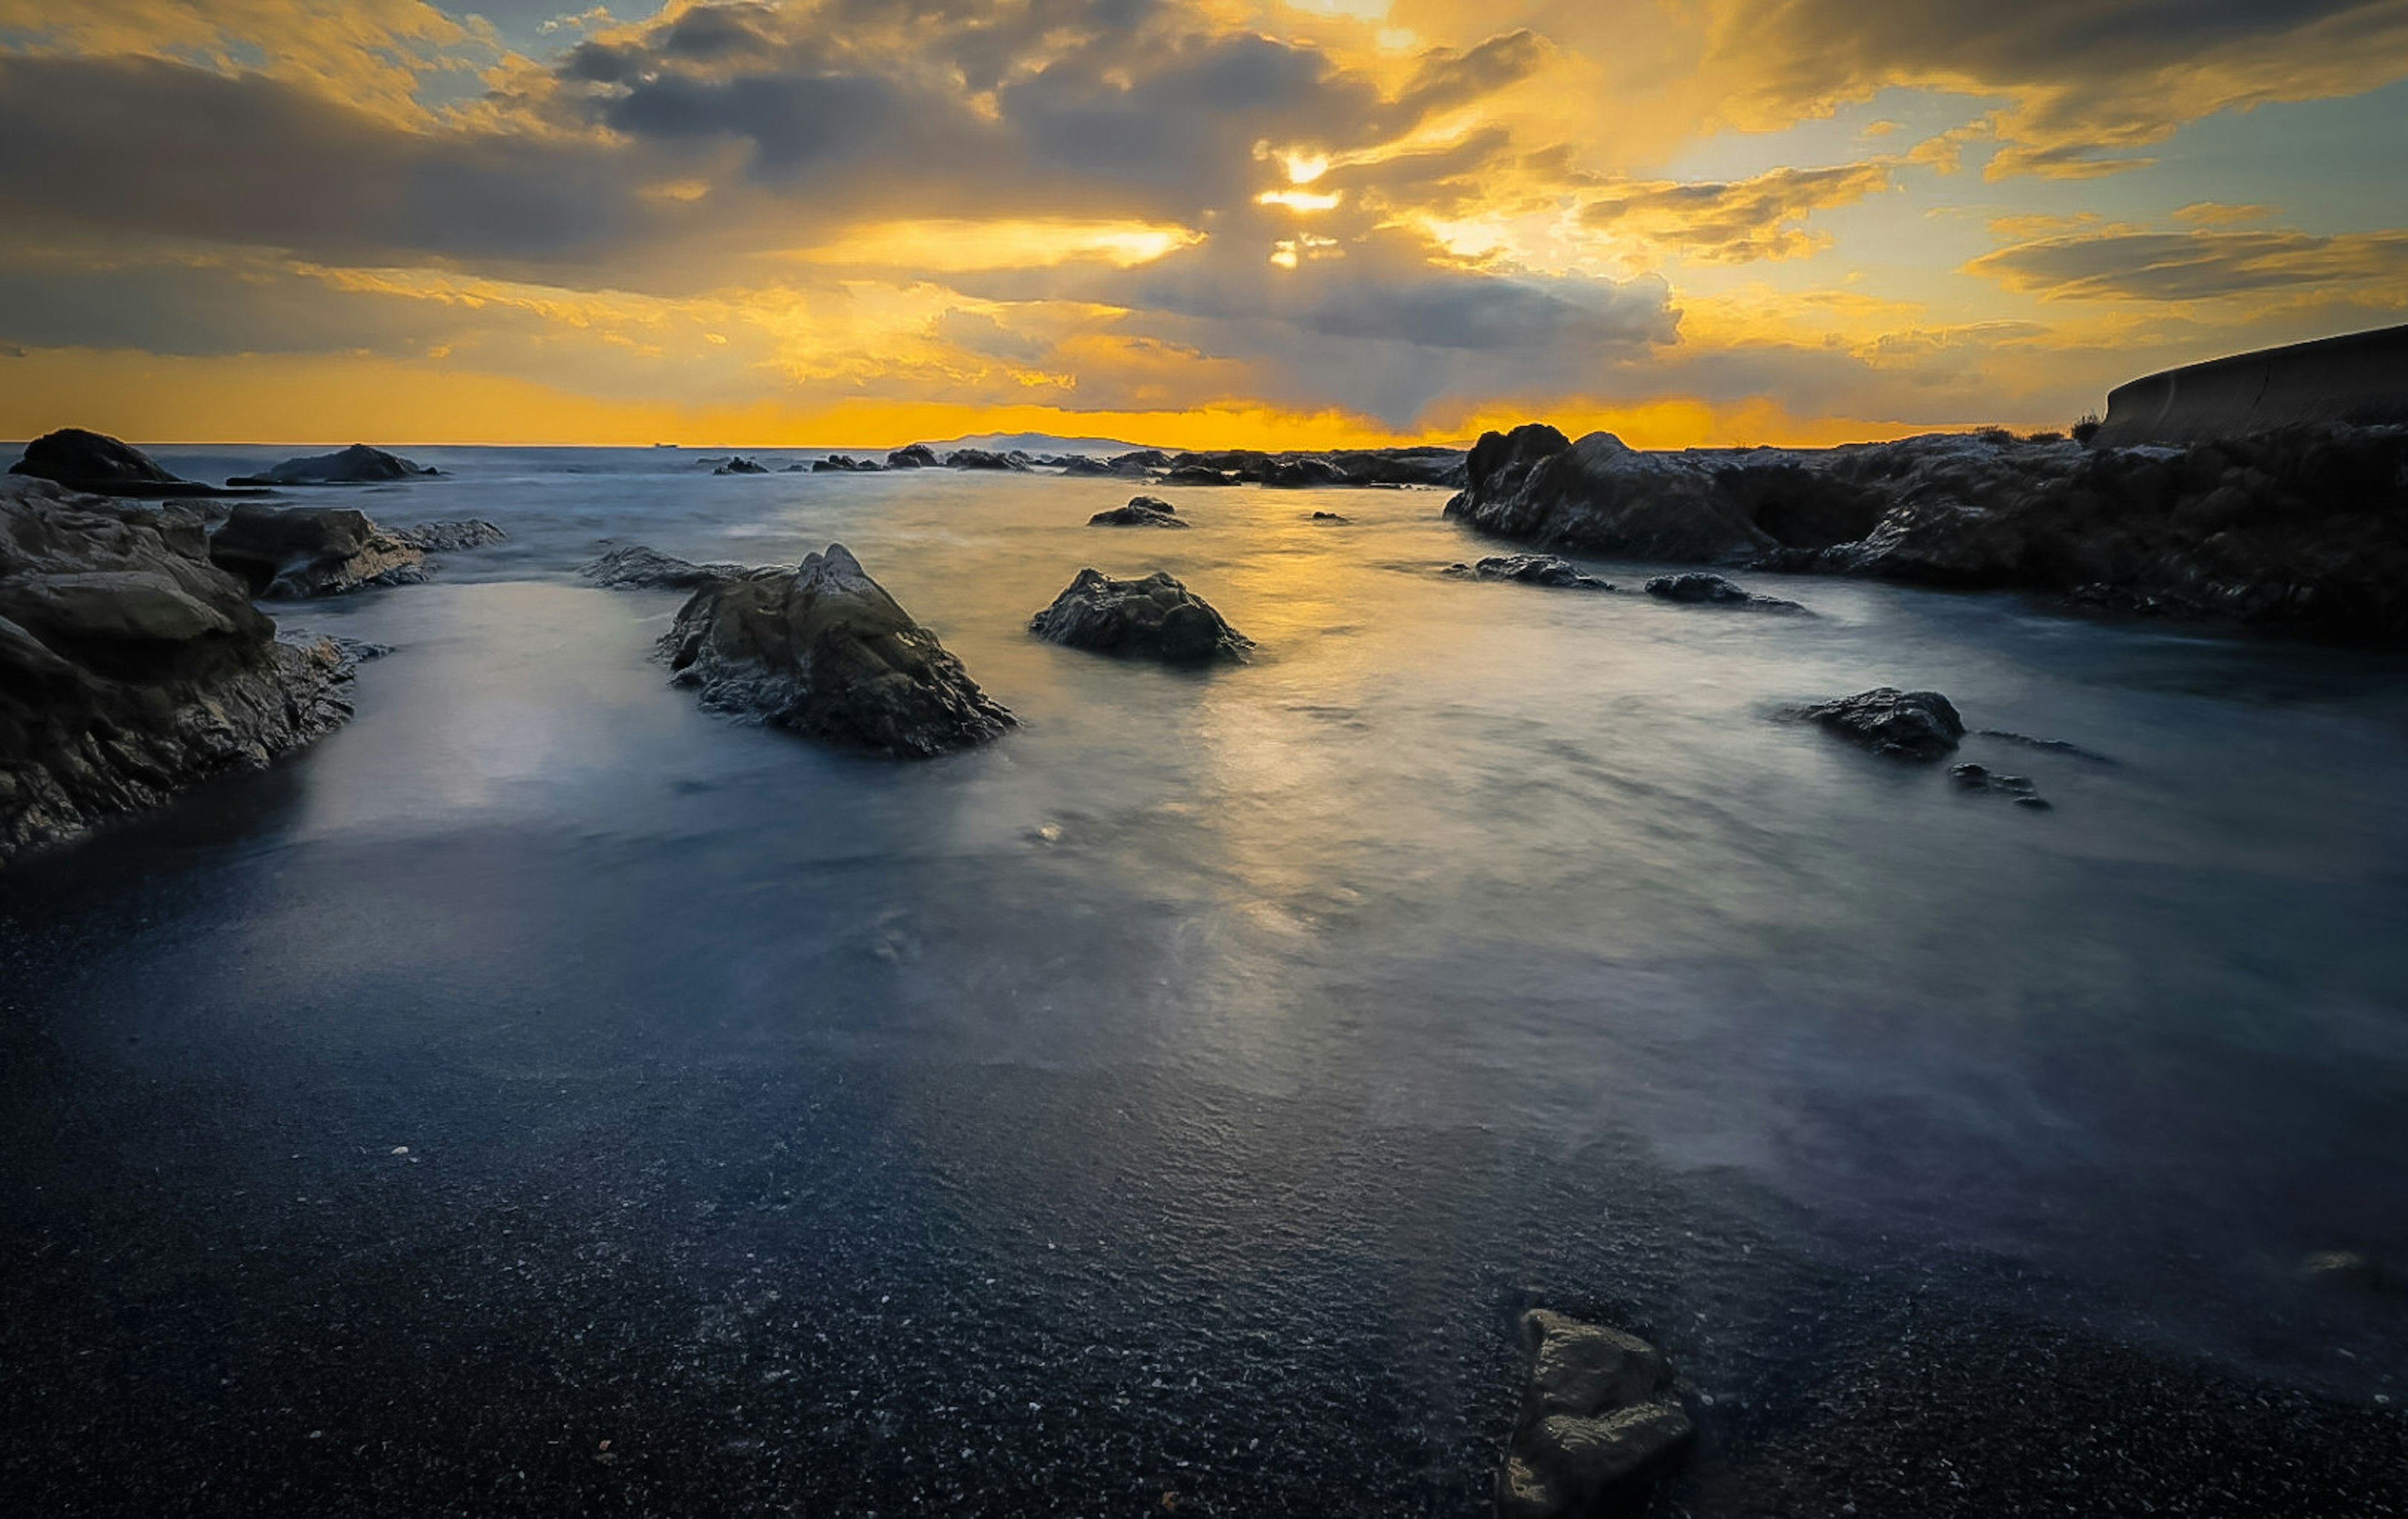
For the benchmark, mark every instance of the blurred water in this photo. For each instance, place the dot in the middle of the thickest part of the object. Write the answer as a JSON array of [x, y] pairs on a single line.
[[1473, 937]]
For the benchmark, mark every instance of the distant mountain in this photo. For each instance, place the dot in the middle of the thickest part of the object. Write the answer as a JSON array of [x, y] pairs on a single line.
[[1036, 443]]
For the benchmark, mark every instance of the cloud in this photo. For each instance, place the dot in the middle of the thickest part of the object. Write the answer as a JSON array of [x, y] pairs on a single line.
[[2137, 263], [1734, 222]]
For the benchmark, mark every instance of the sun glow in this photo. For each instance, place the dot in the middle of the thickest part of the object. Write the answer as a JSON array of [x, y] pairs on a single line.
[[1300, 200], [959, 247]]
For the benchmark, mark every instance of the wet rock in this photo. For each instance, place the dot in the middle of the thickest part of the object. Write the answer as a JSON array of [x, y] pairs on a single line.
[[1903, 725], [449, 536], [983, 459], [1191, 474], [844, 463], [1600, 1420], [1529, 569], [912, 456], [1138, 461], [1142, 511], [1153, 617], [824, 651], [1081, 465], [1982, 778], [1698, 588], [99, 464], [633, 566], [294, 552], [741, 466], [358, 464], [1328, 517], [132, 669]]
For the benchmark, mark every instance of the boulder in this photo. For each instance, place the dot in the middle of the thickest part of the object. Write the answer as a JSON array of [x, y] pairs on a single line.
[[285, 552], [1600, 1420], [1142, 511], [824, 651], [1529, 569], [449, 536], [635, 567], [983, 459], [1903, 725], [99, 464], [912, 456], [842, 464], [1190, 474], [358, 464], [1153, 617], [1982, 778], [1081, 465], [1698, 588], [132, 669], [741, 465], [1138, 461], [1328, 517]]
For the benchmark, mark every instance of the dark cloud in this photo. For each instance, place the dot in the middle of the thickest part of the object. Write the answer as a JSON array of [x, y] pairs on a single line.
[[2206, 265], [1736, 222]]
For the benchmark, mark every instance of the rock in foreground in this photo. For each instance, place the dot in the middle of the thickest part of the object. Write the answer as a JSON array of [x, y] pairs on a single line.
[[451, 536], [1153, 617], [1600, 1422], [824, 652], [1142, 511], [1903, 725], [1529, 569], [358, 464], [100, 465], [132, 669], [283, 552], [1699, 589]]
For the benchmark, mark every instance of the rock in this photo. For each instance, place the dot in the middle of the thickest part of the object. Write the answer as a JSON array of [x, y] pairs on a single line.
[[912, 456], [1700, 589], [1600, 1420], [2054, 746], [1153, 617], [635, 567], [741, 466], [1138, 461], [132, 669], [1982, 778], [99, 464], [1142, 511], [358, 464], [1190, 474], [842, 464], [1081, 465], [983, 459], [1328, 517], [1904, 725], [449, 536], [824, 651], [294, 552], [1529, 569]]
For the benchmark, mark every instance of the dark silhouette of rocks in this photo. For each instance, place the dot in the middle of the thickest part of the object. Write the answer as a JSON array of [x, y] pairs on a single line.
[[2304, 529], [132, 669], [1903, 725], [1140, 462], [1196, 474], [99, 464], [983, 459], [912, 456], [358, 464], [294, 551], [1328, 517], [2020, 788], [1142, 511], [1699, 589], [1153, 617], [845, 464], [1423, 465], [1529, 569], [1600, 1420], [1081, 465], [633, 566], [741, 465], [449, 536], [824, 651]]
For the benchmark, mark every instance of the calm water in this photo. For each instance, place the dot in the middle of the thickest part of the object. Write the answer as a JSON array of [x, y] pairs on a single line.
[[1181, 1093]]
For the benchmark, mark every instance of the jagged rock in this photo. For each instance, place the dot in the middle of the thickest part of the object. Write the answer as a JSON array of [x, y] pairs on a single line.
[[1600, 1420], [132, 669], [824, 652], [1197, 475], [99, 464], [912, 456], [1079, 465], [844, 463], [983, 459], [294, 552], [1904, 725], [741, 466], [449, 536], [1529, 569], [1142, 511], [635, 567], [1330, 517], [1153, 617], [1700, 589], [1982, 778], [358, 464], [1140, 462]]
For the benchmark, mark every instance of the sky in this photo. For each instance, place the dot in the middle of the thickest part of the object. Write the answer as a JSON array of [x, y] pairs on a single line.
[[1184, 223]]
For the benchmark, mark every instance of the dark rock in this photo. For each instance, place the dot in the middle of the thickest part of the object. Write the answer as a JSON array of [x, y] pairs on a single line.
[[99, 464], [799, 469], [358, 464], [1153, 617], [1529, 569], [1600, 1420], [1330, 517], [1140, 462], [824, 652], [981, 459], [1198, 474], [741, 466], [1982, 778], [132, 669], [1142, 511], [912, 456], [844, 463], [449, 536], [1079, 465], [635, 567], [293, 551], [1904, 725], [1698, 588], [2054, 746]]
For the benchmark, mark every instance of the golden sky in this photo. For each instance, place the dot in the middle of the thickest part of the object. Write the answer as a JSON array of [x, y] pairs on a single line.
[[1180, 222]]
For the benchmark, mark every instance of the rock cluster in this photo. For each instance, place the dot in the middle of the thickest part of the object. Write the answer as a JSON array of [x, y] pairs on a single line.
[[741, 465], [1529, 569], [2017, 787], [824, 652], [912, 456], [1600, 1420], [985, 459], [1698, 588], [99, 464], [131, 668], [844, 463], [1903, 725], [1153, 617], [293, 551], [358, 464], [1142, 511]]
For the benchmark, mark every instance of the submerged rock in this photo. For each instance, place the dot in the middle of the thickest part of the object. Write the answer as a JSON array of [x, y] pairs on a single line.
[[132, 669], [358, 464], [451, 536], [635, 567], [1153, 617], [1904, 725], [824, 651], [294, 551], [1600, 1420], [1328, 517], [1529, 569], [741, 465], [1698, 588], [1142, 511], [1193, 474], [99, 464], [1982, 778], [912, 456]]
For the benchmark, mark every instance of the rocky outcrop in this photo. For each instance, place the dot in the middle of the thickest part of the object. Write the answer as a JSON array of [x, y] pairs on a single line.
[[1903, 725], [1328, 517], [912, 456], [1196, 474], [1698, 589], [741, 465], [293, 551], [1142, 511], [843, 464], [131, 668], [1153, 617], [451, 536], [983, 459], [358, 464], [2019, 788], [2304, 529], [1529, 569], [1140, 462], [99, 464], [1332, 468], [824, 651], [1081, 465], [1600, 1420], [633, 566]]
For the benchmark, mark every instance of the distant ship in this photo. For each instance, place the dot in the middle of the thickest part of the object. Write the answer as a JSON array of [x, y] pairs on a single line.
[[669, 445]]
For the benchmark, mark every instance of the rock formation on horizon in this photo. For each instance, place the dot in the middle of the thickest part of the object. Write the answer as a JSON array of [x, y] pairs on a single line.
[[358, 464], [99, 464]]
